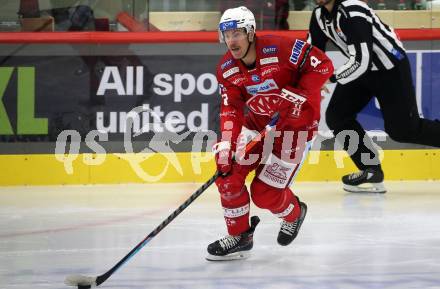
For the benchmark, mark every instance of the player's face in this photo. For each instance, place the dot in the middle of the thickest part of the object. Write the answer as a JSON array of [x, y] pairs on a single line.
[[237, 42]]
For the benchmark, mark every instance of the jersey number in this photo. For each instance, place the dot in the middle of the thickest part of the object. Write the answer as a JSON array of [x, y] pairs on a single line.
[[314, 61]]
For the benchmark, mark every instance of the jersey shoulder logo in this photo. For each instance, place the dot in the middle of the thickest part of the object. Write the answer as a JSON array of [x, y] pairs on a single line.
[[296, 51]]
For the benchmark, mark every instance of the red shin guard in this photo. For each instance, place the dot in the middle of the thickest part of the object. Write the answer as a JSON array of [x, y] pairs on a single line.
[[236, 212], [281, 202], [235, 201]]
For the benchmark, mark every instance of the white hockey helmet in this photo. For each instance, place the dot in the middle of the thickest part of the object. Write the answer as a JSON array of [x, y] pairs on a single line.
[[234, 18]]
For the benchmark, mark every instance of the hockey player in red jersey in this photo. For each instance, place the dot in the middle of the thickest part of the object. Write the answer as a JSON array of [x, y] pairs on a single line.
[[265, 74]]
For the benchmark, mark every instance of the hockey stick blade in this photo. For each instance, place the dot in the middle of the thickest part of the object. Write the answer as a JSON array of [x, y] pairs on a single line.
[[84, 282], [80, 281]]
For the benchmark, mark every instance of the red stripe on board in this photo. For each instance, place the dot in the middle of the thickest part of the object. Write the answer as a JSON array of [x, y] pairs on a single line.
[[170, 37]]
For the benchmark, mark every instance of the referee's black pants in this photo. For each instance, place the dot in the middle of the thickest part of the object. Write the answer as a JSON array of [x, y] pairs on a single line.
[[395, 92]]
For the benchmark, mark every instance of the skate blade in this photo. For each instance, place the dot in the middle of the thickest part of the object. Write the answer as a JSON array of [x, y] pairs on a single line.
[[366, 188], [230, 257]]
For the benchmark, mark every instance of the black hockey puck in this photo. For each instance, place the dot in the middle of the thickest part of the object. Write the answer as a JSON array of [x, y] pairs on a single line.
[[84, 286]]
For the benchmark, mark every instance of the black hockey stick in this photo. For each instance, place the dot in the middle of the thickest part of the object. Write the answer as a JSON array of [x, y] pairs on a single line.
[[84, 282]]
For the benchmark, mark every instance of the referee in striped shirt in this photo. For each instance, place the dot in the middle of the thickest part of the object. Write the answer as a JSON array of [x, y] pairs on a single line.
[[377, 66]]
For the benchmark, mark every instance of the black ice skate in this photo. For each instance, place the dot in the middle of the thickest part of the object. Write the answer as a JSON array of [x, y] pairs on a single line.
[[233, 247], [289, 230], [367, 181]]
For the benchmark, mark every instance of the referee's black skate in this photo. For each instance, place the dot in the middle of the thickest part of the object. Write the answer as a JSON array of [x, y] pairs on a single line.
[[289, 230], [367, 181], [233, 247]]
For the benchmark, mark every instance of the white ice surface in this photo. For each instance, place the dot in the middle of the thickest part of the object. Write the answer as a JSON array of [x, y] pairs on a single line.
[[347, 240]]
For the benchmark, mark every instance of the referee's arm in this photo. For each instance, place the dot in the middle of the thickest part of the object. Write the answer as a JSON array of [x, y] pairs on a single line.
[[359, 35], [315, 36]]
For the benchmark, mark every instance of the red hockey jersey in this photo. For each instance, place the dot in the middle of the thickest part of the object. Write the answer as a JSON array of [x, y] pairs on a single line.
[[281, 63]]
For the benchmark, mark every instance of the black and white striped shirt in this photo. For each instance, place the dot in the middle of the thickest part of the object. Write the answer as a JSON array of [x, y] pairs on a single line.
[[356, 30]]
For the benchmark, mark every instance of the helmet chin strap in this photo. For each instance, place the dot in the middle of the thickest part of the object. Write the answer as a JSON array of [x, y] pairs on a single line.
[[247, 50]]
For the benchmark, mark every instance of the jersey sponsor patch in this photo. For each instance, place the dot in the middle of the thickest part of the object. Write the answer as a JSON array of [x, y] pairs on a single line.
[[269, 70], [296, 51], [230, 72], [267, 85], [226, 64], [237, 80], [268, 60], [276, 172], [324, 70], [270, 49], [228, 25]]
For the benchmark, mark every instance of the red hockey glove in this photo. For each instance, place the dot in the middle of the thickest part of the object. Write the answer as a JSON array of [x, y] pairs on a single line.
[[223, 156], [290, 105]]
